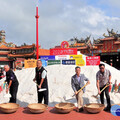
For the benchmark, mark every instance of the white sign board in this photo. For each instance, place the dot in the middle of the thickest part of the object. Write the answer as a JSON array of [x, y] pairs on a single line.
[[62, 57]]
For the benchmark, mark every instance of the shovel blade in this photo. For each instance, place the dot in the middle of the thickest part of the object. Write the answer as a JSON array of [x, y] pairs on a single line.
[[67, 98], [7, 95], [95, 96], [42, 89]]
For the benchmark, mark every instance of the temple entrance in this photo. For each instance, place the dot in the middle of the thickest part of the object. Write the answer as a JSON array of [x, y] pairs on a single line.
[[112, 59]]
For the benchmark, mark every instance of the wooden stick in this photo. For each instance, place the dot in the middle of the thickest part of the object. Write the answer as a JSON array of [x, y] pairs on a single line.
[[36, 84], [102, 90], [80, 90]]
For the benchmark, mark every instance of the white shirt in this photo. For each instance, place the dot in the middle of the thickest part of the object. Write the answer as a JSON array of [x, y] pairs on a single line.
[[44, 74]]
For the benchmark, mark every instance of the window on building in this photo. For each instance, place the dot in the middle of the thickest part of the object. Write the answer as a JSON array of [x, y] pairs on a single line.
[[3, 56]]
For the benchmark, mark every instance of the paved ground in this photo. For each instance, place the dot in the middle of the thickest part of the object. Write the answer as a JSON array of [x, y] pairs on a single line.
[[50, 114]]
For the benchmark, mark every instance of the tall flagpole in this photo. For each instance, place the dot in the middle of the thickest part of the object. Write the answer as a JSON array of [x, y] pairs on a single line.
[[37, 38]]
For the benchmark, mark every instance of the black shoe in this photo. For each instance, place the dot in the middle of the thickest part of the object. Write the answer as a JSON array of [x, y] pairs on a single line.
[[107, 109], [81, 109]]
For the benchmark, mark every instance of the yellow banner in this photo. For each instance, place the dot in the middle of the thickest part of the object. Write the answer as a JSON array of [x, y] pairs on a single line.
[[80, 62], [30, 63], [75, 57], [79, 59]]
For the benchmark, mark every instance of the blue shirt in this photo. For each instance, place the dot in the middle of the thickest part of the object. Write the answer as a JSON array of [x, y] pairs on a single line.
[[78, 78]]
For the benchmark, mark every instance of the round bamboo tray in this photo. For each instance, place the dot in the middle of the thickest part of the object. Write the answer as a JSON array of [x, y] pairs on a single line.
[[64, 107], [37, 107], [94, 107], [9, 107]]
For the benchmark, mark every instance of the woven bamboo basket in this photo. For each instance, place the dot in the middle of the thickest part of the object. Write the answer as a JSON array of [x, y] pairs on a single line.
[[64, 107], [94, 107], [9, 107], [37, 107]]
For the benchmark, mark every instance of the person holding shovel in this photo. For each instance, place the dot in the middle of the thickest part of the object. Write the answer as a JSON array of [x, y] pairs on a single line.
[[77, 82], [41, 81], [12, 82], [103, 78]]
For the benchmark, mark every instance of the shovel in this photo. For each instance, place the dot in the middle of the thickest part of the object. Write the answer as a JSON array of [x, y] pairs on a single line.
[[7, 95], [80, 90], [96, 96], [69, 98], [41, 89]]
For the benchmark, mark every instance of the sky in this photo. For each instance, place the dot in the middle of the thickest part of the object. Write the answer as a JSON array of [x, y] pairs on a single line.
[[60, 20]]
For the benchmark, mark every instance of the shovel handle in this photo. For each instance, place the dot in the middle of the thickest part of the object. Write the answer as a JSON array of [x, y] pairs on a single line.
[[80, 90], [36, 84], [104, 88]]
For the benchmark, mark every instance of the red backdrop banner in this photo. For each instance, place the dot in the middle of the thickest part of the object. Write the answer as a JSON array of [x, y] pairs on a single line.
[[93, 60], [64, 51]]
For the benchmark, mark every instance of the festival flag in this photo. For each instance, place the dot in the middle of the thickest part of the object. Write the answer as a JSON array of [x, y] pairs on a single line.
[[119, 88], [116, 87], [4, 85], [110, 87], [0, 89], [113, 87]]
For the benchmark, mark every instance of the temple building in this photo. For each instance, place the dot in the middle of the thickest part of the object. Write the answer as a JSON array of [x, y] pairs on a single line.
[[108, 47], [5, 50], [26, 52], [82, 45], [10, 53]]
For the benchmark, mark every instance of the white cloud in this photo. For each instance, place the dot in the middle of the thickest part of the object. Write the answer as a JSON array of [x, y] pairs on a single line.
[[59, 20], [114, 3]]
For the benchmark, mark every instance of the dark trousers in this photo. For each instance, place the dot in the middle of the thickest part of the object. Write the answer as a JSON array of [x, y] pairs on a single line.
[[106, 91], [42, 95], [13, 92]]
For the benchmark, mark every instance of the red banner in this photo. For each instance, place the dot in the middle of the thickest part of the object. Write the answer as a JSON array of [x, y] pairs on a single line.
[[93, 60], [64, 51]]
